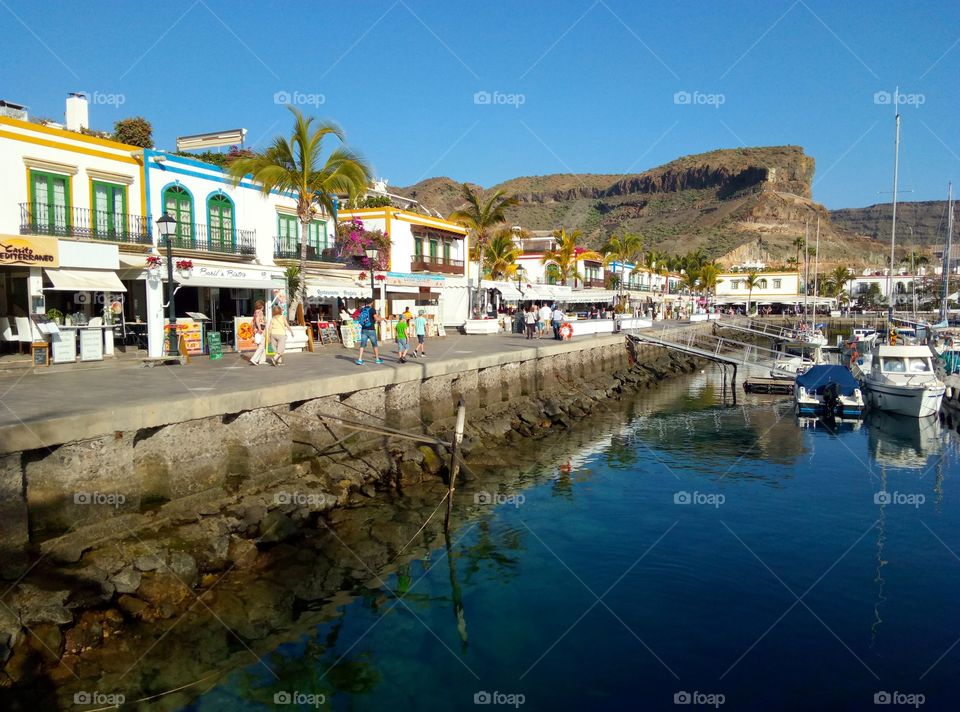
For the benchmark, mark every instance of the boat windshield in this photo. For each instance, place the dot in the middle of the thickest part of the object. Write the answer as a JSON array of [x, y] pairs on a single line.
[[907, 365]]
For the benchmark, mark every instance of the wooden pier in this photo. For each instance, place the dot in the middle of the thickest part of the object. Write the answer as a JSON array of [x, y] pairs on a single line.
[[778, 386]]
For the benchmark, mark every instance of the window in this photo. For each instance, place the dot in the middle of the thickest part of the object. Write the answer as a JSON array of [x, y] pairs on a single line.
[[50, 202], [734, 284], [220, 220], [446, 251], [287, 234], [418, 248], [777, 283], [433, 250], [894, 365], [762, 284], [109, 209], [317, 236], [178, 204]]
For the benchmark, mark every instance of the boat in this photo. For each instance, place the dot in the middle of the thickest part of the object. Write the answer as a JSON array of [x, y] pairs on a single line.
[[788, 366], [902, 379], [864, 335], [828, 390]]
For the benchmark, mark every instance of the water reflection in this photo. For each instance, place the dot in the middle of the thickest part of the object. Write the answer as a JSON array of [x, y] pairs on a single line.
[[901, 442]]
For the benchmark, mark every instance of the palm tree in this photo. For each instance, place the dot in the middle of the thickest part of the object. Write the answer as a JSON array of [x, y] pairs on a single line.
[[657, 262], [567, 253], [480, 217], [752, 280], [708, 277], [625, 248], [799, 242], [500, 255], [837, 280], [294, 166]]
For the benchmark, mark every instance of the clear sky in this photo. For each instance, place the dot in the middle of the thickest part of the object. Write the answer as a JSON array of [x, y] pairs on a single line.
[[606, 86]]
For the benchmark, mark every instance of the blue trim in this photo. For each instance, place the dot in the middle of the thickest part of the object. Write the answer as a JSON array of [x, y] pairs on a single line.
[[220, 175]]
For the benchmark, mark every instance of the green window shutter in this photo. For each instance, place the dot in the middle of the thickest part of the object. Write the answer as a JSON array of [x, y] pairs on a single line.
[[418, 247], [220, 220], [50, 201], [446, 251], [287, 232], [109, 209], [178, 204]]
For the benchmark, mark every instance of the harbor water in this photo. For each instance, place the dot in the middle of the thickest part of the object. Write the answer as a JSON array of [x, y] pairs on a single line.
[[687, 552]]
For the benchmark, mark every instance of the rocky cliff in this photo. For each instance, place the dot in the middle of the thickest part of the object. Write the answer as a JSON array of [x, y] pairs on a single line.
[[746, 203]]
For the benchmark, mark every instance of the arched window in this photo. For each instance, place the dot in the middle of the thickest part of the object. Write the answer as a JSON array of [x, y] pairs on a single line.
[[178, 204], [220, 222], [762, 284]]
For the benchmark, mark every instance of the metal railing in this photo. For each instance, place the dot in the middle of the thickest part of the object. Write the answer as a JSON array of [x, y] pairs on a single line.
[[286, 248], [84, 223], [202, 238], [430, 263]]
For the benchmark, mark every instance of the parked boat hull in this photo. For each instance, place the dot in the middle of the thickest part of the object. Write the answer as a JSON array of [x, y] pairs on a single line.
[[916, 402]]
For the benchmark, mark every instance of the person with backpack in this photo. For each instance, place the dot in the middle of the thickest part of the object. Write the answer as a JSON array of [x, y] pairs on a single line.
[[368, 318]]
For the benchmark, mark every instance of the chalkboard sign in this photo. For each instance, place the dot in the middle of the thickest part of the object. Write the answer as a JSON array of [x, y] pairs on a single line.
[[40, 351], [214, 346], [327, 330]]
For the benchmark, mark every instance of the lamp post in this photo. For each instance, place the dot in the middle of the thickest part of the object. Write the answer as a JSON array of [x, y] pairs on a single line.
[[167, 226], [372, 253], [521, 273]]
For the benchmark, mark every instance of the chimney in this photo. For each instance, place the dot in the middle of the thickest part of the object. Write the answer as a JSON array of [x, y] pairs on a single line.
[[78, 114]]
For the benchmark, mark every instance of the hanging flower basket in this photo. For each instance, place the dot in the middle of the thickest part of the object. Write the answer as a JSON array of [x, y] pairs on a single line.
[[380, 277], [153, 265], [185, 267], [362, 277]]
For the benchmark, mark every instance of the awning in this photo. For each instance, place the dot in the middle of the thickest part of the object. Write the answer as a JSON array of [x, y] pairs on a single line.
[[590, 296], [508, 290], [329, 289], [84, 280]]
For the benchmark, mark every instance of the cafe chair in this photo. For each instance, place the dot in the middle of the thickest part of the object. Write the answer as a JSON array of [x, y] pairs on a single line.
[[27, 331]]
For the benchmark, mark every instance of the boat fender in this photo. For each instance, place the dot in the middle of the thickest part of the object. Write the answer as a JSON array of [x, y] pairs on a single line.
[[566, 332]]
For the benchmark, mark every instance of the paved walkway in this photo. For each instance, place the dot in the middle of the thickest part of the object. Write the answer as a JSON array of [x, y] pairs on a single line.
[[46, 407]]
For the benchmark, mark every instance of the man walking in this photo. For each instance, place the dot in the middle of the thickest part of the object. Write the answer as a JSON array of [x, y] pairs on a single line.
[[545, 313], [420, 329], [557, 317], [402, 338], [368, 319]]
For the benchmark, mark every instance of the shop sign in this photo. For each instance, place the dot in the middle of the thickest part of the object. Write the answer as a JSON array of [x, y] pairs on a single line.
[[227, 273], [29, 251], [400, 279]]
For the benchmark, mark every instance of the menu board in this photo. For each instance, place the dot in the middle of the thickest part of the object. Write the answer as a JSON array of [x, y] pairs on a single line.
[[350, 334], [243, 333], [41, 353], [214, 346], [440, 330], [191, 334], [64, 346], [327, 331], [91, 344]]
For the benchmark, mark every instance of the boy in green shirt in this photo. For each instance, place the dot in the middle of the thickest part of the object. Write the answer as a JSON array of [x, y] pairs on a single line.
[[402, 339]]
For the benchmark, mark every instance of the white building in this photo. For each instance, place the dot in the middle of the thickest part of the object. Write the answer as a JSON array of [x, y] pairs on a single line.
[[773, 289]]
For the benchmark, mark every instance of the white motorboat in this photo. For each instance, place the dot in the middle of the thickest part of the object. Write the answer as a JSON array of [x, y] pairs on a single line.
[[864, 335], [902, 379], [828, 390], [789, 366]]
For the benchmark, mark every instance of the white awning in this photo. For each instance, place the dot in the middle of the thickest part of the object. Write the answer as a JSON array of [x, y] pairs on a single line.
[[84, 280], [590, 296], [508, 290], [329, 289]]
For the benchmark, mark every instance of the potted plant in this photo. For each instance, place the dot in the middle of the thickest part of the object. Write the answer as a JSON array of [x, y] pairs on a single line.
[[55, 315], [153, 265], [185, 267]]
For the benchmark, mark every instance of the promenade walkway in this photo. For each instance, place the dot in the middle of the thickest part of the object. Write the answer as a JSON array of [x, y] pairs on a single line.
[[43, 407]]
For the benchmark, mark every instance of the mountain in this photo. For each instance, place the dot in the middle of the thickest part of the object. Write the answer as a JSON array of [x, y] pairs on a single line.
[[921, 223], [735, 204]]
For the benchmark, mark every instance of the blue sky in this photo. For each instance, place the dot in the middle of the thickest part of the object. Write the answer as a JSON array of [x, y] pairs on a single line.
[[574, 85]]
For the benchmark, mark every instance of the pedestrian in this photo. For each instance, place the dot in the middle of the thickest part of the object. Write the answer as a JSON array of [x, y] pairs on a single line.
[[545, 313], [368, 319], [420, 329], [557, 318], [259, 324], [407, 314], [531, 320], [279, 328], [402, 343]]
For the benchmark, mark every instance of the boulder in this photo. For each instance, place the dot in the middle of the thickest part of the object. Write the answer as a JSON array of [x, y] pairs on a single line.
[[242, 552], [38, 605], [184, 567], [150, 562], [431, 461], [163, 591], [276, 527], [127, 580]]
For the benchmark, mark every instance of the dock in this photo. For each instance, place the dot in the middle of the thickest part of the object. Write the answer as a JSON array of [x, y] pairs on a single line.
[[776, 386]]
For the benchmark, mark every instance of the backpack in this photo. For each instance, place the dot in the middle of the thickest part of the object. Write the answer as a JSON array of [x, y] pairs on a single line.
[[366, 317]]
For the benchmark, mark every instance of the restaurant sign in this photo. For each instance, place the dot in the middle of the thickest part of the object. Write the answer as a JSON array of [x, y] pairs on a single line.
[[404, 279], [29, 251]]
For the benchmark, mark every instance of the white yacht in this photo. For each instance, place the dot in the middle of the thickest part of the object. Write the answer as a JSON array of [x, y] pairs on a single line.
[[902, 379]]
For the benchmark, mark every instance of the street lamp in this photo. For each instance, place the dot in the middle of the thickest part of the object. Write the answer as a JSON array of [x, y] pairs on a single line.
[[521, 273], [167, 226], [372, 253]]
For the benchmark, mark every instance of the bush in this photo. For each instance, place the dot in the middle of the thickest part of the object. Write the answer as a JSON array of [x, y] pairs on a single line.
[[135, 131]]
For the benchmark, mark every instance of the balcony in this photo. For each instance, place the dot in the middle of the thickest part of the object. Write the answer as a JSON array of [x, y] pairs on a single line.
[[285, 248], [201, 238], [84, 223], [429, 263], [593, 283]]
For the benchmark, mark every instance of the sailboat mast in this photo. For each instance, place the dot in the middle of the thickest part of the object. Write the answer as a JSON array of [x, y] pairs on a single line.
[[816, 271], [948, 248], [806, 266], [893, 226]]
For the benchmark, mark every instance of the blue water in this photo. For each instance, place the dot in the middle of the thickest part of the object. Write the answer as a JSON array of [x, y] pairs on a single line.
[[785, 583]]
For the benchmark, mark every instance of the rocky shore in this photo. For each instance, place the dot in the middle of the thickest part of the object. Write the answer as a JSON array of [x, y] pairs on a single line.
[[244, 565]]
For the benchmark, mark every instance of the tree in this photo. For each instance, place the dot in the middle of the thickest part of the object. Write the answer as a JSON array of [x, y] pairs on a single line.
[[837, 281], [625, 249], [915, 259], [658, 265], [567, 253], [135, 131], [500, 255], [798, 242], [481, 217], [871, 299], [294, 166], [708, 278], [752, 280]]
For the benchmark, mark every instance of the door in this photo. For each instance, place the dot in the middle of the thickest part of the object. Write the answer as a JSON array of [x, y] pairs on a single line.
[[50, 203], [287, 237], [220, 221], [179, 205], [109, 210]]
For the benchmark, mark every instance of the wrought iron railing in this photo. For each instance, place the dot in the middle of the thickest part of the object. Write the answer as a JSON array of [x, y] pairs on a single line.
[[67, 221], [428, 263], [202, 238], [287, 248]]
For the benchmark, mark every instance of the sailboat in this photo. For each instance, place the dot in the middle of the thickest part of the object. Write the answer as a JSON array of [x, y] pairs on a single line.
[[901, 378]]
